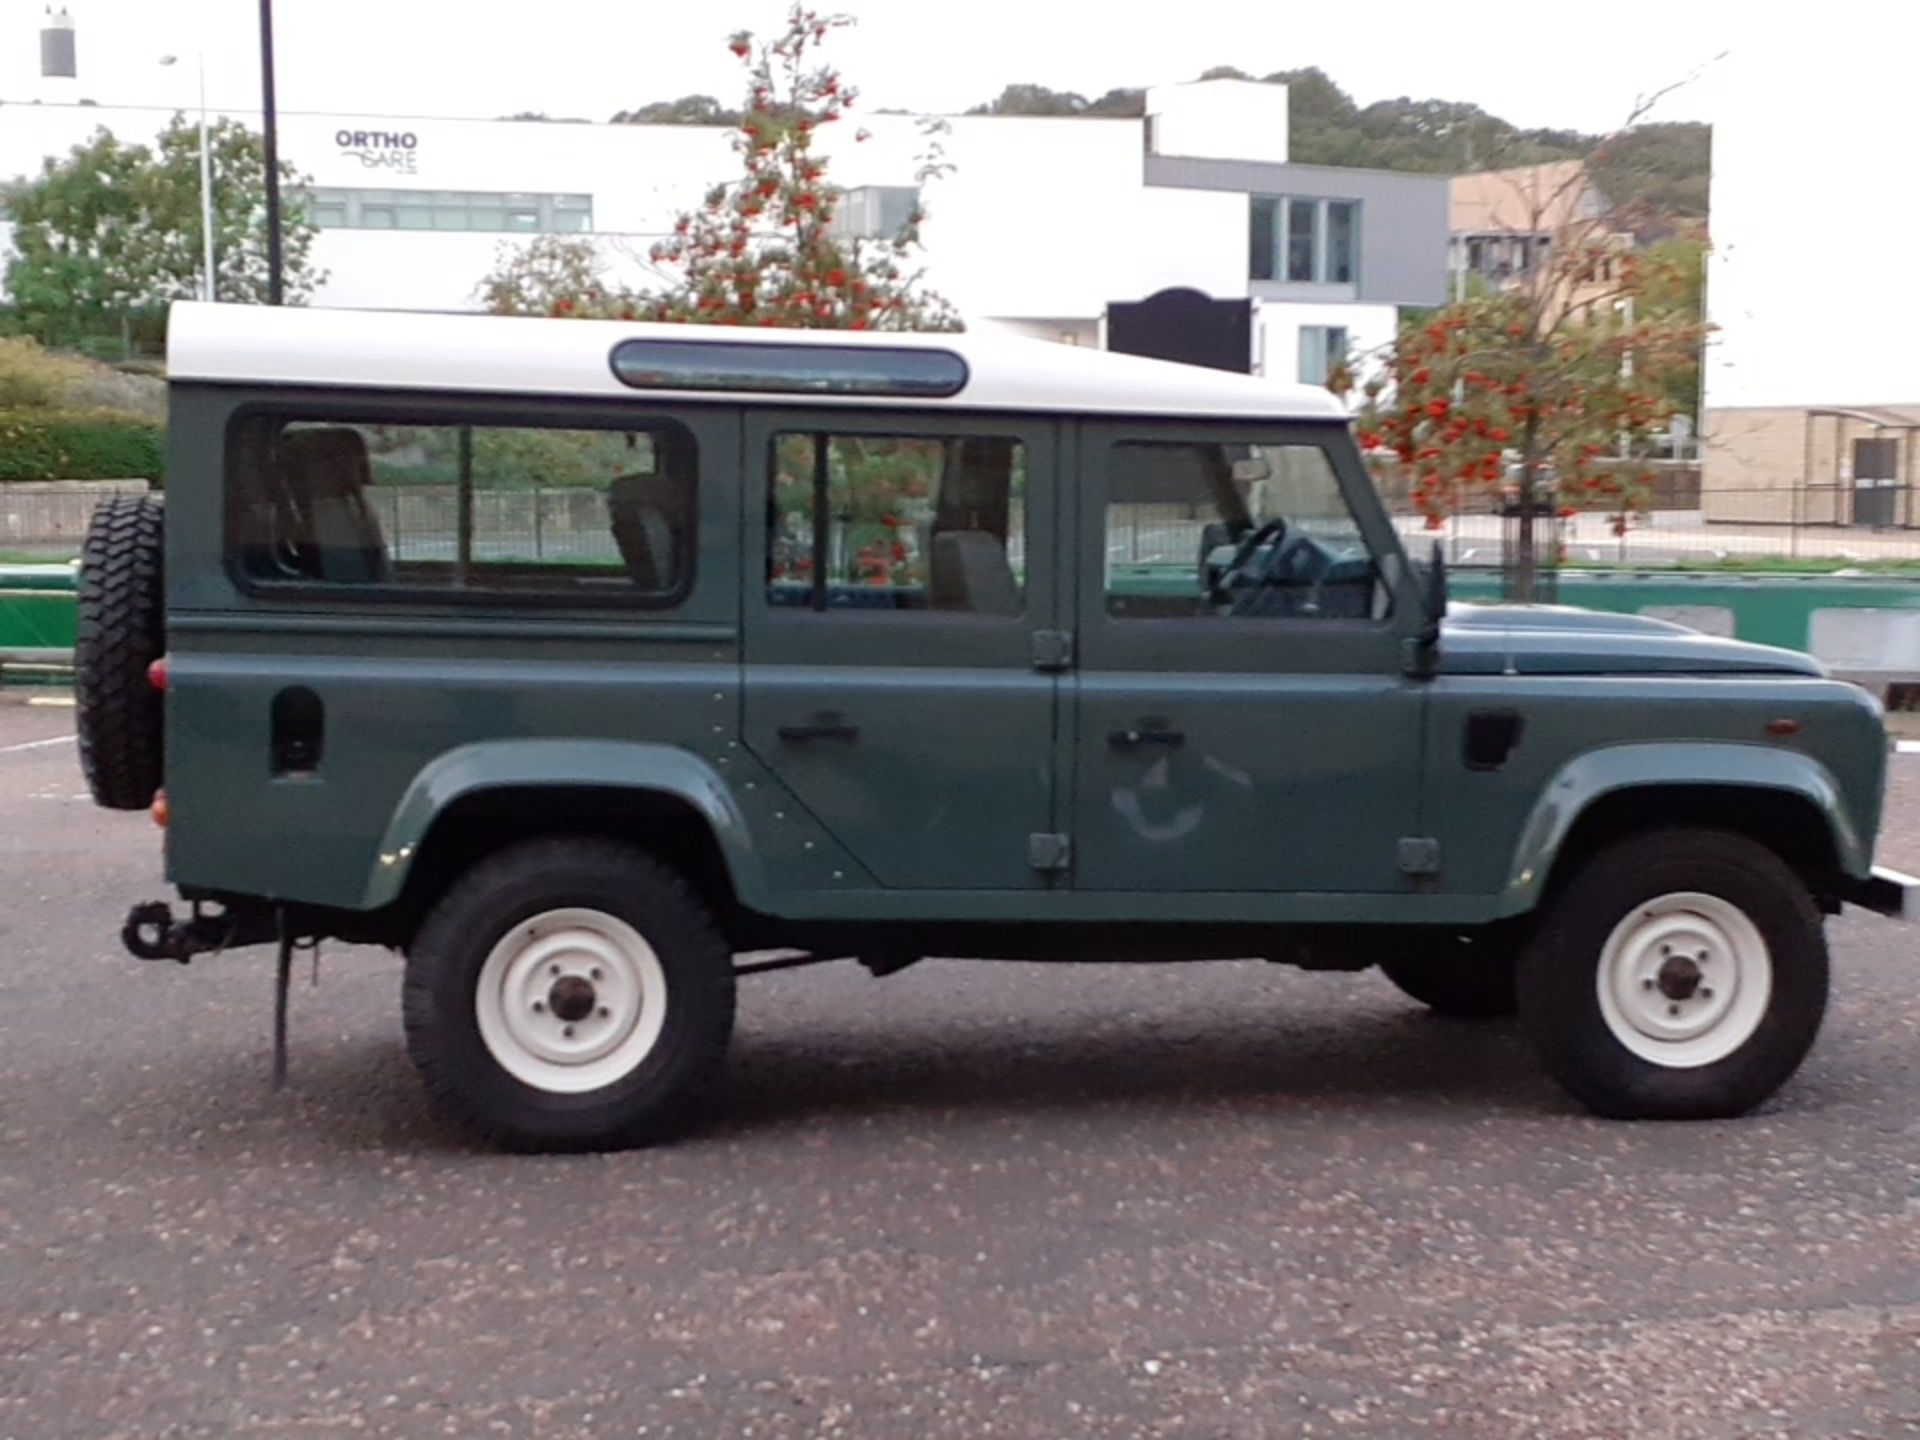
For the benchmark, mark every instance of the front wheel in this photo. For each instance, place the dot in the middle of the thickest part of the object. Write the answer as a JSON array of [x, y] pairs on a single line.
[[1681, 974], [569, 994]]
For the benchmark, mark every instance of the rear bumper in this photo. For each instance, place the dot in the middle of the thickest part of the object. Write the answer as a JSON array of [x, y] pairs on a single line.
[[1886, 892]]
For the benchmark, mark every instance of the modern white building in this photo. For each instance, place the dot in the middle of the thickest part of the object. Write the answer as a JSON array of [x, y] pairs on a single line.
[[1036, 224]]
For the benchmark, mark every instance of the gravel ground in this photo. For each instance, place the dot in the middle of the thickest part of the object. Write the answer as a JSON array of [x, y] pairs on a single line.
[[972, 1199]]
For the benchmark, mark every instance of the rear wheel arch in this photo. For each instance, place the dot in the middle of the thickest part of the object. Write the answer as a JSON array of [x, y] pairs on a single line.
[[485, 821]]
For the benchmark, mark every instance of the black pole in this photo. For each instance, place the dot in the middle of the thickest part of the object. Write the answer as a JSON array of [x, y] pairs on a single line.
[[270, 136]]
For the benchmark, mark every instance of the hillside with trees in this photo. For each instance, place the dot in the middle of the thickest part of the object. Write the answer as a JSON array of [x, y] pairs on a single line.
[[1659, 166]]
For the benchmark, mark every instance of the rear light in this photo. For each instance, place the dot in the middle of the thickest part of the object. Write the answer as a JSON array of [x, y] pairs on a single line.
[[160, 811], [157, 674]]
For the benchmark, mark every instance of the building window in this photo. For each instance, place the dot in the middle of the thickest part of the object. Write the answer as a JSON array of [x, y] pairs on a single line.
[[1323, 349], [1305, 241], [522, 214], [1343, 248], [874, 212]]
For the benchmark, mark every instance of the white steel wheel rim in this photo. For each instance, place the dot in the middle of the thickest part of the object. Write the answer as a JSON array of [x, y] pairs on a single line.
[[571, 1000], [1685, 980]]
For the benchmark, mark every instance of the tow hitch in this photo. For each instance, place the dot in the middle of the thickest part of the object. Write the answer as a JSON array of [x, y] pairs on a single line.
[[152, 932]]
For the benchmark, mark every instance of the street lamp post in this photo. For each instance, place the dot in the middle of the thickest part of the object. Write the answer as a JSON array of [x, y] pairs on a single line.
[[270, 143], [207, 290]]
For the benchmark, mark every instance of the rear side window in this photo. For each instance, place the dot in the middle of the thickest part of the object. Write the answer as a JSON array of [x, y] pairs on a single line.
[[897, 522], [591, 514]]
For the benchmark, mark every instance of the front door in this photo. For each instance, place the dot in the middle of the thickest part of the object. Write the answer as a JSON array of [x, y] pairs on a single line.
[[1243, 720], [891, 681]]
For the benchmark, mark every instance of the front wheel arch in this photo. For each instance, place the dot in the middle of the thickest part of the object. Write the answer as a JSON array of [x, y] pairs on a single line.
[[1786, 822]]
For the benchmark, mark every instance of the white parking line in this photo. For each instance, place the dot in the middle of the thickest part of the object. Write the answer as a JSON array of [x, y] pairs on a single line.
[[37, 744], [1907, 747]]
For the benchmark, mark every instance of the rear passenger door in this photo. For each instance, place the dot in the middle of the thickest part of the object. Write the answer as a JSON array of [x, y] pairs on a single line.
[[907, 565]]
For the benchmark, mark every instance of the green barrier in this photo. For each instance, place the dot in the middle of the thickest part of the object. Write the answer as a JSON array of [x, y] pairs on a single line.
[[37, 607], [37, 601], [1767, 609]]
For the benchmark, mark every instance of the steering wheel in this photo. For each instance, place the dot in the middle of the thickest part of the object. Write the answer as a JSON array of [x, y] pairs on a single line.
[[1248, 546]]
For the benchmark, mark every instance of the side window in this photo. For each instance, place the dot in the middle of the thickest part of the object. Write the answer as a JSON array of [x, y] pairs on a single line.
[[594, 515], [1252, 531], [897, 522]]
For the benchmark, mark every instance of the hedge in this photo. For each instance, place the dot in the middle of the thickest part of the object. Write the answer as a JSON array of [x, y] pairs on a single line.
[[51, 445]]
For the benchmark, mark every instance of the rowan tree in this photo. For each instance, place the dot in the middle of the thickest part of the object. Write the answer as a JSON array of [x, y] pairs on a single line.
[[1551, 391], [762, 248]]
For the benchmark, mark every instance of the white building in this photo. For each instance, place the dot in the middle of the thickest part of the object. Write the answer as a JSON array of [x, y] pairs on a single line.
[[1039, 225]]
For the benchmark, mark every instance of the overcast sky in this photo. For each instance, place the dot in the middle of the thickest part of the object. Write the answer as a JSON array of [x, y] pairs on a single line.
[[1539, 64]]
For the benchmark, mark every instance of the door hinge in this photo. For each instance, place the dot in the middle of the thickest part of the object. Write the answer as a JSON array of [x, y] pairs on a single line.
[[1419, 855], [1046, 851], [1053, 649]]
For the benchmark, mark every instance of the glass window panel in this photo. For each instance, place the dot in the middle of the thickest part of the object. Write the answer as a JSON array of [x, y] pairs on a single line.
[[573, 202], [523, 220], [414, 217], [596, 515], [1343, 217], [571, 222], [329, 217], [821, 369], [1323, 349], [446, 218], [1231, 531], [376, 217], [1302, 242], [1262, 237], [913, 522]]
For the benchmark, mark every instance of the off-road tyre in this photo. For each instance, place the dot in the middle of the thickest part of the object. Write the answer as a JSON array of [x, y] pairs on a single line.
[[121, 632], [668, 1087], [1613, 910]]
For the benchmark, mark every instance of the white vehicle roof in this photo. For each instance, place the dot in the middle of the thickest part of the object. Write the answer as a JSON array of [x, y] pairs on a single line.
[[394, 350]]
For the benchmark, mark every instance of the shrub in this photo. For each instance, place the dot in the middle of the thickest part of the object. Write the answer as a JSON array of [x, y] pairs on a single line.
[[33, 378], [65, 445]]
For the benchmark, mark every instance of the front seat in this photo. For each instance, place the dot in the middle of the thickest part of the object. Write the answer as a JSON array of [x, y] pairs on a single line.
[[970, 571], [320, 477]]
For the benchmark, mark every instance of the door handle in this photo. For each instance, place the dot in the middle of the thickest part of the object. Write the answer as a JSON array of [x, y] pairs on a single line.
[[820, 730], [1122, 739]]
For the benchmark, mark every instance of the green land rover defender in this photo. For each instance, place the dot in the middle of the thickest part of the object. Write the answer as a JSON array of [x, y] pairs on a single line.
[[573, 659]]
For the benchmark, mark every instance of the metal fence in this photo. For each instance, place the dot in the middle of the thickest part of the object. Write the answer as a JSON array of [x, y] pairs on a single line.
[[1679, 539], [1723, 528], [49, 518]]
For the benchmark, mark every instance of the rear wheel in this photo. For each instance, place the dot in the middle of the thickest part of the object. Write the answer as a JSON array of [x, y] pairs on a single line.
[[121, 632], [1680, 975], [570, 994], [1470, 975]]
